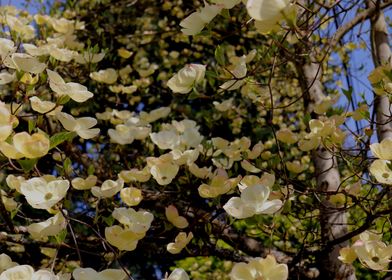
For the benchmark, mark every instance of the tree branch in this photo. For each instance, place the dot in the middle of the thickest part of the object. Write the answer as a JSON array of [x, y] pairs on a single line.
[[366, 14]]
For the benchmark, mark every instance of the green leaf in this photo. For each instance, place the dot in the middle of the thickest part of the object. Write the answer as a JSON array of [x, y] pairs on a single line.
[[194, 94], [67, 166], [63, 99], [220, 55], [27, 164], [91, 170], [61, 236], [388, 74], [211, 74], [31, 125], [108, 220], [60, 137], [14, 212], [307, 118], [225, 13], [348, 93]]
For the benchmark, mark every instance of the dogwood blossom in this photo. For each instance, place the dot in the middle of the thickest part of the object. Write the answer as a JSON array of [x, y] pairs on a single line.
[[49, 227], [6, 77], [370, 250], [186, 78], [6, 262], [84, 184], [196, 21], [88, 57], [135, 175], [174, 218], [253, 201], [6, 122], [7, 47], [41, 106], [14, 182], [41, 194], [200, 172], [82, 126], [163, 169], [219, 184], [137, 221], [178, 274], [259, 268], [107, 274], [107, 76], [75, 91], [382, 150], [131, 196], [180, 242], [24, 62], [266, 9], [122, 238], [109, 188], [285, 135], [9, 203], [19, 272], [26, 145], [62, 54], [381, 170]]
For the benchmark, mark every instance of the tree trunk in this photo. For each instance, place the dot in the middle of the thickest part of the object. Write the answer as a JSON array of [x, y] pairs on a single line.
[[382, 55], [333, 220]]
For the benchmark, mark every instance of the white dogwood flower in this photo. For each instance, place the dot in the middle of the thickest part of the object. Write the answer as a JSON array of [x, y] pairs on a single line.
[[41, 194], [82, 126], [186, 78]]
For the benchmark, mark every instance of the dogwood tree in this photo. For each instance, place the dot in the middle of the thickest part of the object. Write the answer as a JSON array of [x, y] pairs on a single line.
[[220, 139]]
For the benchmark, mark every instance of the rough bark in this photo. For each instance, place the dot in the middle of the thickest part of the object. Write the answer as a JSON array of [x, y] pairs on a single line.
[[333, 220], [381, 53]]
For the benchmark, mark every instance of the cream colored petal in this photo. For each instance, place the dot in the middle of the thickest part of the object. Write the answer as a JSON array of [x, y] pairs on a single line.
[[88, 133], [27, 63], [347, 255], [31, 146], [265, 9], [382, 150], [41, 106], [236, 208], [19, 272], [246, 165], [380, 170], [84, 184], [60, 54], [113, 274], [78, 92], [241, 271], [68, 121], [6, 77], [135, 175], [131, 196], [123, 239], [5, 261], [286, 136], [107, 76], [178, 274]]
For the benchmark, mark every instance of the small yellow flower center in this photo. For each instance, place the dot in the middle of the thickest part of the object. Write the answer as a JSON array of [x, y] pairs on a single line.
[[48, 196], [385, 175]]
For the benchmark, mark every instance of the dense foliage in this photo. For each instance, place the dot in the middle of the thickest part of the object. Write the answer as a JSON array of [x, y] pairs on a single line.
[[228, 139]]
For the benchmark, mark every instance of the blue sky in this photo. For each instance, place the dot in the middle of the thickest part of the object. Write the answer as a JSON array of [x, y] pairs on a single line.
[[360, 64]]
